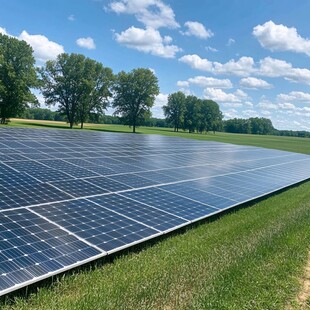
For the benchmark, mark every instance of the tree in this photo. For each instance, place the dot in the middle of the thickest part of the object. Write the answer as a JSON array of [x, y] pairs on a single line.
[[134, 95], [174, 110], [17, 77], [97, 83], [79, 86], [191, 113]]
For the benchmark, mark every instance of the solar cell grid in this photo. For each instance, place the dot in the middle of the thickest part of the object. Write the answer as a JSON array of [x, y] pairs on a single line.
[[68, 197]]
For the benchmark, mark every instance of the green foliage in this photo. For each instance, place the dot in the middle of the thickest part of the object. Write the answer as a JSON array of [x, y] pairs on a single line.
[[42, 114], [134, 95], [17, 77], [174, 110], [262, 126], [79, 86]]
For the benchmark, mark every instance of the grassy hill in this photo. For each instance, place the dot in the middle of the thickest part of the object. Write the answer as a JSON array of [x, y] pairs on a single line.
[[251, 258]]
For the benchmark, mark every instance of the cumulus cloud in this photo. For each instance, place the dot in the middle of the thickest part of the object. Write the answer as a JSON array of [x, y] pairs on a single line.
[[281, 38], [148, 41], [43, 48], [203, 81], [3, 31], [267, 105], [279, 68], [161, 100], [219, 95], [88, 43], [254, 83], [196, 62], [296, 96], [198, 30], [152, 13], [245, 66], [182, 83], [242, 67]]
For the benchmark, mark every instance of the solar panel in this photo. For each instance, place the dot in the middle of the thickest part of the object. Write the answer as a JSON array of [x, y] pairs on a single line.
[[68, 197]]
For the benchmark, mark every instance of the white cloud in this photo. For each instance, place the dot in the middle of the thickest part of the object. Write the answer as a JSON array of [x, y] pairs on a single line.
[[245, 66], [279, 68], [148, 41], [182, 84], [161, 100], [71, 18], [230, 42], [267, 105], [203, 81], [198, 30], [298, 96], [152, 13], [196, 62], [3, 31], [249, 113], [287, 106], [242, 67], [86, 43], [219, 95], [281, 38], [231, 113], [211, 49], [254, 83], [44, 49]]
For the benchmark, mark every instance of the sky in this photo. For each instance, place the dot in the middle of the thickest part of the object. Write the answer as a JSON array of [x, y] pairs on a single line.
[[250, 56]]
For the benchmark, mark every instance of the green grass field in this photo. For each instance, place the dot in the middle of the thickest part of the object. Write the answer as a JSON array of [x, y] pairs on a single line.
[[251, 258]]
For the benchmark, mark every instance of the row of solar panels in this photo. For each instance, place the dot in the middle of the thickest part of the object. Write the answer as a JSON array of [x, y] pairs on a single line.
[[59, 211]]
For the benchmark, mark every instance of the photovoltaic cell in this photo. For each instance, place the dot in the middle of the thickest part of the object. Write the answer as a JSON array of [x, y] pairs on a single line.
[[69, 196]]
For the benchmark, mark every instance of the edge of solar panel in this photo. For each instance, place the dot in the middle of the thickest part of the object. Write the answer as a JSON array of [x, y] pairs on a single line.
[[106, 253]]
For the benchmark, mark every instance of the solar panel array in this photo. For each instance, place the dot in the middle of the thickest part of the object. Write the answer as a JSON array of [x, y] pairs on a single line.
[[69, 197]]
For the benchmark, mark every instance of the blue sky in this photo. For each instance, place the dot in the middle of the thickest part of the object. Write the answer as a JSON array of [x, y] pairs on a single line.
[[251, 57]]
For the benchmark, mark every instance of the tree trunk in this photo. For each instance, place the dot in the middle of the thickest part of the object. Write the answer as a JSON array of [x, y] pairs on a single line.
[[82, 124], [71, 124]]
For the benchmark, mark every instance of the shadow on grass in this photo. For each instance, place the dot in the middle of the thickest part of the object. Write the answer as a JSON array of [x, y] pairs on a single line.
[[51, 282]]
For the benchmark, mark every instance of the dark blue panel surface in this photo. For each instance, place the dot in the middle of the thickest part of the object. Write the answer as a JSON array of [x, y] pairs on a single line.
[[31, 247], [142, 213], [106, 229]]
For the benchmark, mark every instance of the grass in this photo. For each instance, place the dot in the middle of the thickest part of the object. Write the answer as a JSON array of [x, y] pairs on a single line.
[[251, 258]]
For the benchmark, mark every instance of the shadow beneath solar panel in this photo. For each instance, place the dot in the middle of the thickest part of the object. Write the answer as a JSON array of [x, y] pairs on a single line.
[[49, 283]]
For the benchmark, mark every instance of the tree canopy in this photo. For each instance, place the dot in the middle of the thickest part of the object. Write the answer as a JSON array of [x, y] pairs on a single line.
[[134, 95], [174, 110], [79, 86], [192, 114], [17, 77]]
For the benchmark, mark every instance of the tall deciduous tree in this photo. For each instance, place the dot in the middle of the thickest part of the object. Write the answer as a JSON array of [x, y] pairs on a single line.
[[17, 77], [134, 95], [97, 83], [78, 85], [174, 110]]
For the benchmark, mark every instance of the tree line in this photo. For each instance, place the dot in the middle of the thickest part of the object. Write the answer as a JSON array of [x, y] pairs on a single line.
[[37, 113], [192, 114]]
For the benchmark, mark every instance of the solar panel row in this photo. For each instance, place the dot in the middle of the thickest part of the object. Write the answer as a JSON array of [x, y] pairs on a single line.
[[70, 197]]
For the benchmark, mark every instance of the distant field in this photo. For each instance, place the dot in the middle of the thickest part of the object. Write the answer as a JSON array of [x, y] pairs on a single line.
[[251, 258]]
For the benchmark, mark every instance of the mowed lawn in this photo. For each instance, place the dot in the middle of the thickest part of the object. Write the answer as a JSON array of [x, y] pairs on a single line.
[[251, 258]]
